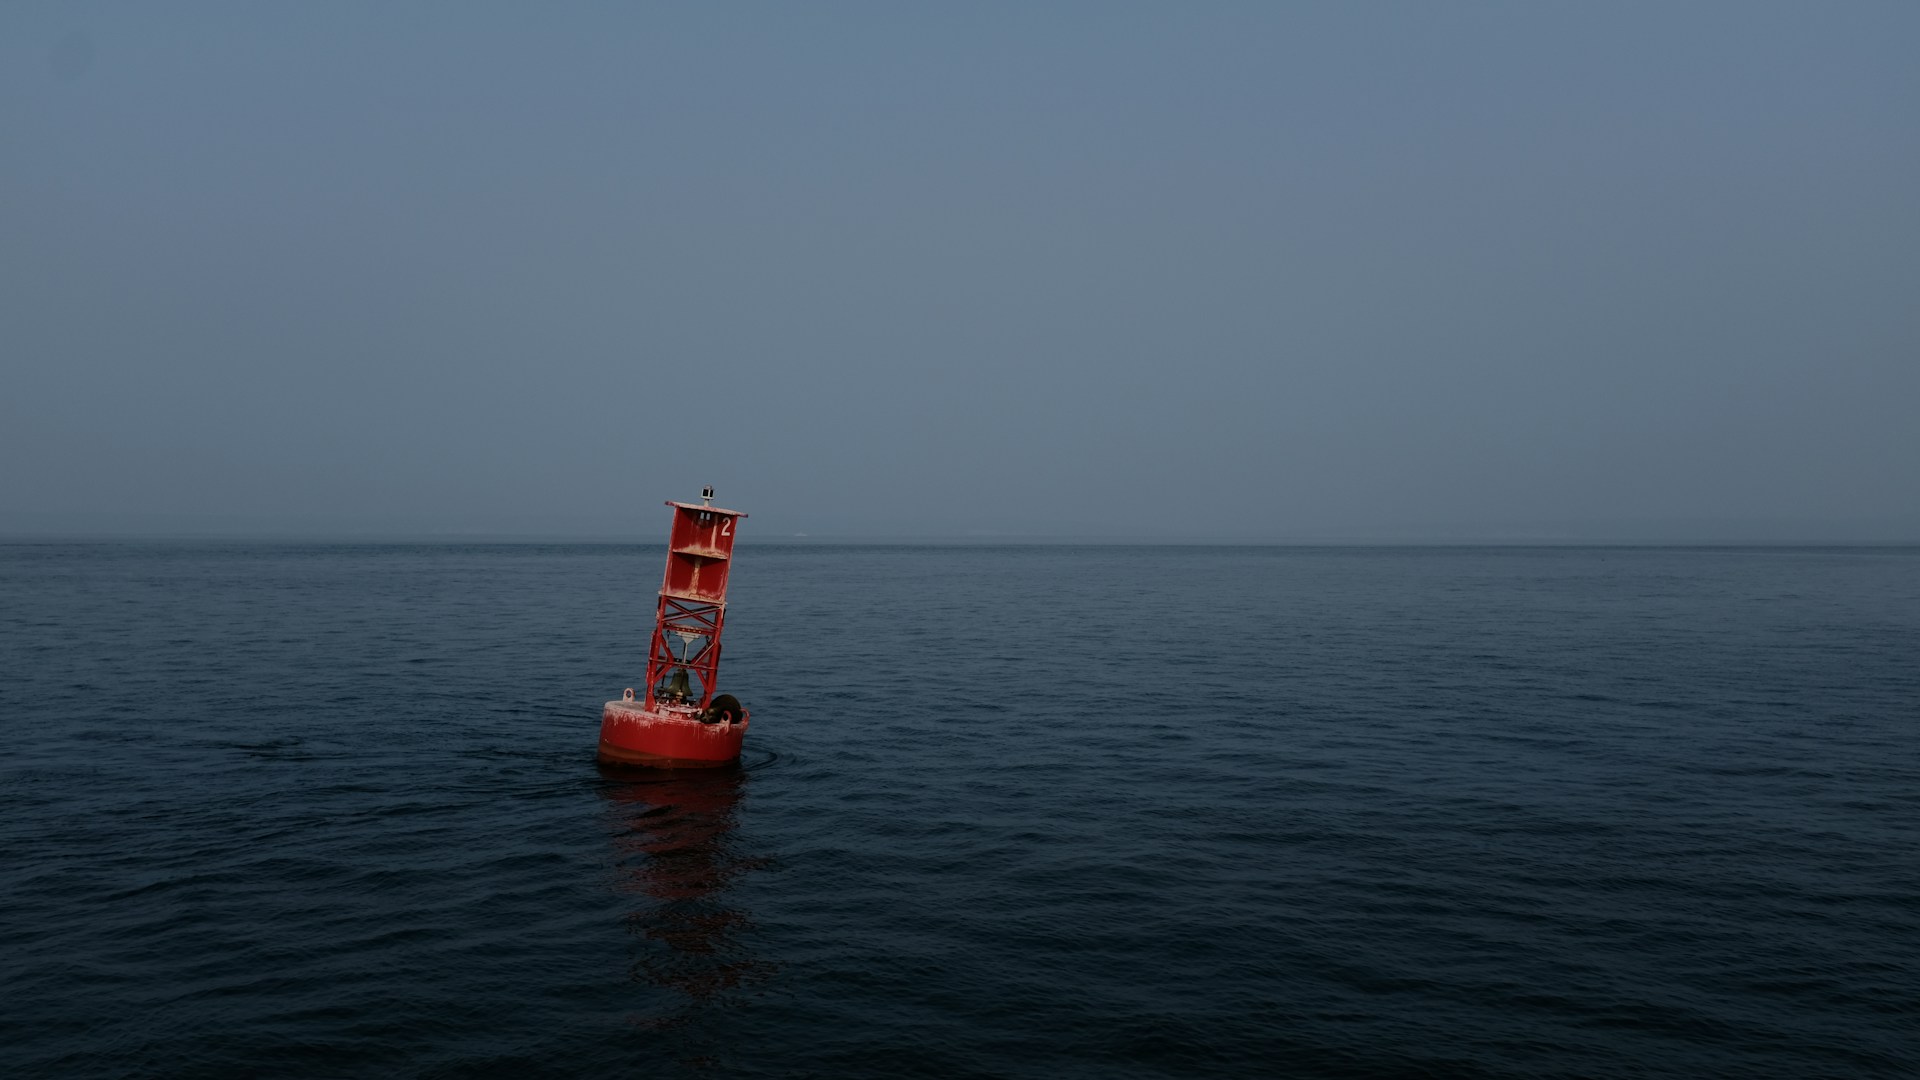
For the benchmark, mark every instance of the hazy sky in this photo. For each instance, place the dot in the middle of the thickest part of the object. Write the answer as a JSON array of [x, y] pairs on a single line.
[[1172, 269]]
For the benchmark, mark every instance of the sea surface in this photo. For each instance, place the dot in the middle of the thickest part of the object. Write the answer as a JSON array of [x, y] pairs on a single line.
[[1049, 811]]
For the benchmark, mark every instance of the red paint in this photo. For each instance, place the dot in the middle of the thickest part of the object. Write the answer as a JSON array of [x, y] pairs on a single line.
[[653, 728], [666, 736]]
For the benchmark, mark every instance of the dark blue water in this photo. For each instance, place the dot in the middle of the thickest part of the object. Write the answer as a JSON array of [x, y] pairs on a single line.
[[1048, 811]]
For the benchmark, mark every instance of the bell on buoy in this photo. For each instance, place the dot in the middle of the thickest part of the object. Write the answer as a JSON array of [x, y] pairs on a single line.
[[677, 688]]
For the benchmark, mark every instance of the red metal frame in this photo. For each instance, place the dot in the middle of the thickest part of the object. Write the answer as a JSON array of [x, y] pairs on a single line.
[[693, 598]]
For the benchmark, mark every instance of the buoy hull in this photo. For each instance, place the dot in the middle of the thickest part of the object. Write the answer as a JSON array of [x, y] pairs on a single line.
[[666, 737]]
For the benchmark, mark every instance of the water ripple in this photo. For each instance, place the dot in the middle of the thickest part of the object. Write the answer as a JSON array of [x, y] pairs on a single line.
[[1046, 811]]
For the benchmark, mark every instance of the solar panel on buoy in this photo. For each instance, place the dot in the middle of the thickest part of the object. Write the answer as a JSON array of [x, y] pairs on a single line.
[[678, 721]]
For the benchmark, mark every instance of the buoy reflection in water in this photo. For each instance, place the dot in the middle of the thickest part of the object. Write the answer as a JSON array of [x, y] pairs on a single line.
[[673, 834]]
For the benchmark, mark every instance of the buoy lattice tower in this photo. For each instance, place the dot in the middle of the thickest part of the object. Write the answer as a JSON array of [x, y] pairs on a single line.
[[676, 721]]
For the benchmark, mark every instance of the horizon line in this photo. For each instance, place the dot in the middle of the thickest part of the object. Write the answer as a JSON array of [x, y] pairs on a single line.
[[977, 539]]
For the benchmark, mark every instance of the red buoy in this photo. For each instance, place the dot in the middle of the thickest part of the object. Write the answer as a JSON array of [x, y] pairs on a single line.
[[678, 722]]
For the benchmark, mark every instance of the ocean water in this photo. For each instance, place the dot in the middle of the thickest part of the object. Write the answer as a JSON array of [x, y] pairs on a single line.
[[332, 810]]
